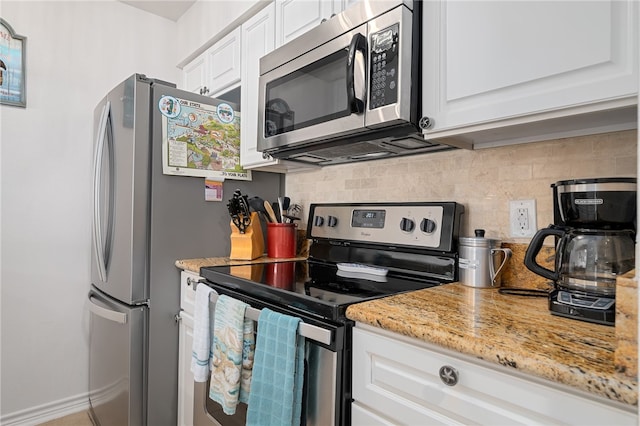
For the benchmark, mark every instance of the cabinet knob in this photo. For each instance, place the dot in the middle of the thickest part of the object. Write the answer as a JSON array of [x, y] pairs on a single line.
[[448, 375], [177, 318], [193, 282], [426, 123]]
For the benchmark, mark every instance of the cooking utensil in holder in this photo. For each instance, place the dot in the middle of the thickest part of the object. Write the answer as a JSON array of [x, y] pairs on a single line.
[[250, 244]]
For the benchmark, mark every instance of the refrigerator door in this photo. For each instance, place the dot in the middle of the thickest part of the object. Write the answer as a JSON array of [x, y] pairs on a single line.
[[121, 179], [116, 361]]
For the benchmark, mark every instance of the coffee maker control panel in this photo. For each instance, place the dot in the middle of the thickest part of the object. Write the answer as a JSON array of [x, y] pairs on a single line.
[[575, 305], [585, 301]]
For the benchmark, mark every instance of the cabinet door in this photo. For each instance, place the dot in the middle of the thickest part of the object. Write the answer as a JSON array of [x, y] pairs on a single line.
[[487, 61], [194, 75], [185, 376], [223, 62], [362, 416], [404, 382], [188, 282], [258, 34], [296, 17]]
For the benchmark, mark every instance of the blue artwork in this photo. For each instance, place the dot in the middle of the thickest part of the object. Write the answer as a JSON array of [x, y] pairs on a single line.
[[12, 61]]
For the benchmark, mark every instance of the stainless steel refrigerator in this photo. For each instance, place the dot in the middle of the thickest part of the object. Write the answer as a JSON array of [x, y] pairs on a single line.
[[144, 220]]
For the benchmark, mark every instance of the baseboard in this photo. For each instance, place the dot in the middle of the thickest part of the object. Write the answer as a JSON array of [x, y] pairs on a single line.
[[45, 412]]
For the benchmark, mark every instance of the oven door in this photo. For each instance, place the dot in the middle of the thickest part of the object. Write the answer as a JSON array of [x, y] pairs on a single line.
[[317, 94], [326, 383]]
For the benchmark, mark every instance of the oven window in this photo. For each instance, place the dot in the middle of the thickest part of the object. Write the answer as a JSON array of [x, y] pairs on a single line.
[[313, 94]]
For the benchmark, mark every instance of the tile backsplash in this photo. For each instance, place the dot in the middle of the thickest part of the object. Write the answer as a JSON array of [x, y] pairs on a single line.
[[484, 181]]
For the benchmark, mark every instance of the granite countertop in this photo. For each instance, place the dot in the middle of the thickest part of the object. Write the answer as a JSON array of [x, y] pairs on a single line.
[[194, 265], [514, 331]]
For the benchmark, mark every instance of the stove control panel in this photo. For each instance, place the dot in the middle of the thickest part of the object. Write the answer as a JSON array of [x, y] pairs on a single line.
[[424, 225]]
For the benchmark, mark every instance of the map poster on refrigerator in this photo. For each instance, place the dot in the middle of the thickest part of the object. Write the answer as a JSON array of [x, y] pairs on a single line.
[[200, 139]]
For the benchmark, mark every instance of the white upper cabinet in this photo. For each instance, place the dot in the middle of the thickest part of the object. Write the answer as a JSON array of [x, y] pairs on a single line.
[[217, 69], [296, 17], [547, 68], [258, 34], [195, 76], [223, 62]]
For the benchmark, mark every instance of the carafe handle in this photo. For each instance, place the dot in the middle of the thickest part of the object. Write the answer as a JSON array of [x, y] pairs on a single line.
[[495, 274], [534, 249]]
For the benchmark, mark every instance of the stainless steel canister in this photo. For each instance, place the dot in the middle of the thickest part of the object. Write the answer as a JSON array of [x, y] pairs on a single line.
[[481, 260]]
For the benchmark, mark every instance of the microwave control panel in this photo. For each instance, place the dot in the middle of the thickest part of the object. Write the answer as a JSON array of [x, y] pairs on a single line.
[[383, 87]]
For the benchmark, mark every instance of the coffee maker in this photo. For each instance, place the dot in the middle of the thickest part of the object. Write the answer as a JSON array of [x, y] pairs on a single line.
[[594, 229]]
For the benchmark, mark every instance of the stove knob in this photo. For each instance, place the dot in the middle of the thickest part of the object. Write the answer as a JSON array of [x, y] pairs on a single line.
[[318, 221], [332, 221], [427, 226], [407, 225]]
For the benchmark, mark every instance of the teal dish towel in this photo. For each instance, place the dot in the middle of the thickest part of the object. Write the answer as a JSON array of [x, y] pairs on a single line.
[[231, 354], [278, 372]]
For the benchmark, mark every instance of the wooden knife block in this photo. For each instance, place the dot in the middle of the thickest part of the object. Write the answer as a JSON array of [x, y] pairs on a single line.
[[250, 245]]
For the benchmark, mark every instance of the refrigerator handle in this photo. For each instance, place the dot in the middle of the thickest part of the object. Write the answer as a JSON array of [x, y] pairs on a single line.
[[97, 183], [115, 316]]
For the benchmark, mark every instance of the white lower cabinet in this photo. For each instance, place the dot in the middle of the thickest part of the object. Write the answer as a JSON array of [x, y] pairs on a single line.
[[185, 376], [400, 380]]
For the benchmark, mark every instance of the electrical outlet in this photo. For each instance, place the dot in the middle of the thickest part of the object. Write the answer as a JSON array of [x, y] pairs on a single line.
[[522, 217]]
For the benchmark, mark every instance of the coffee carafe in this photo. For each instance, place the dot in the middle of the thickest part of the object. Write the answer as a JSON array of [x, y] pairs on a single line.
[[594, 231]]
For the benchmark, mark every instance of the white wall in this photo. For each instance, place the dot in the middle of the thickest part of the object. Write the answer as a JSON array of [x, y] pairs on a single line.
[[76, 52]]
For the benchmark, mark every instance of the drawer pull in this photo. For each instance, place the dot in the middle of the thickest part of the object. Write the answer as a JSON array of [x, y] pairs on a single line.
[[448, 375]]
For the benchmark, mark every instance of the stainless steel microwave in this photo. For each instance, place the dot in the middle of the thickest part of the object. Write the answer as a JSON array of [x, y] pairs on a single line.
[[347, 90]]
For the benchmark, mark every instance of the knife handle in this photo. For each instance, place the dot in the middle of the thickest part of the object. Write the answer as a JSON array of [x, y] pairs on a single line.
[[270, 212]]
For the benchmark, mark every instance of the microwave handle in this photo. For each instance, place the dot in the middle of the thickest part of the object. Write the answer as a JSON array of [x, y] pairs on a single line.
[[358, 44]]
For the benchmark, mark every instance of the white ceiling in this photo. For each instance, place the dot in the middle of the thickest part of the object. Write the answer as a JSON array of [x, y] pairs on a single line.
[[170, 9]]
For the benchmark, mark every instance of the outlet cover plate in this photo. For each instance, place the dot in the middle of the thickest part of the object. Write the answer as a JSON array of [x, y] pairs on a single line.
[[522, 218]]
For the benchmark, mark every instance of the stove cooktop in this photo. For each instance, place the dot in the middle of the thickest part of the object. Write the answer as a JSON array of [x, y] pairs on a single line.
[[310, 287], [415, 241]]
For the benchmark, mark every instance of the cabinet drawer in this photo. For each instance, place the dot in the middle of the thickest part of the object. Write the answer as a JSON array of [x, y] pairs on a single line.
[[400, 381], [188, 291], [362, 416]]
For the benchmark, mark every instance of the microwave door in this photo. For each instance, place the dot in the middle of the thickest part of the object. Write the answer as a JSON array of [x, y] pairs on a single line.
[[308, 98], [392, 89]]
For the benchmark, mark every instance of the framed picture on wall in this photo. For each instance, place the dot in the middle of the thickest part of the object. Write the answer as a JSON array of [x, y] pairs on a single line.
[[12, 66]]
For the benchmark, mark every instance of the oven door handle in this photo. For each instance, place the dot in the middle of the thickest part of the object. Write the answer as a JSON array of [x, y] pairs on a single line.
[[358, 44], [307, 331]]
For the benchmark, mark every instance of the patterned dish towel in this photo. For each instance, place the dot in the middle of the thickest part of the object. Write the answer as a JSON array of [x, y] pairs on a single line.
[[278, 373], [231, 354]]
